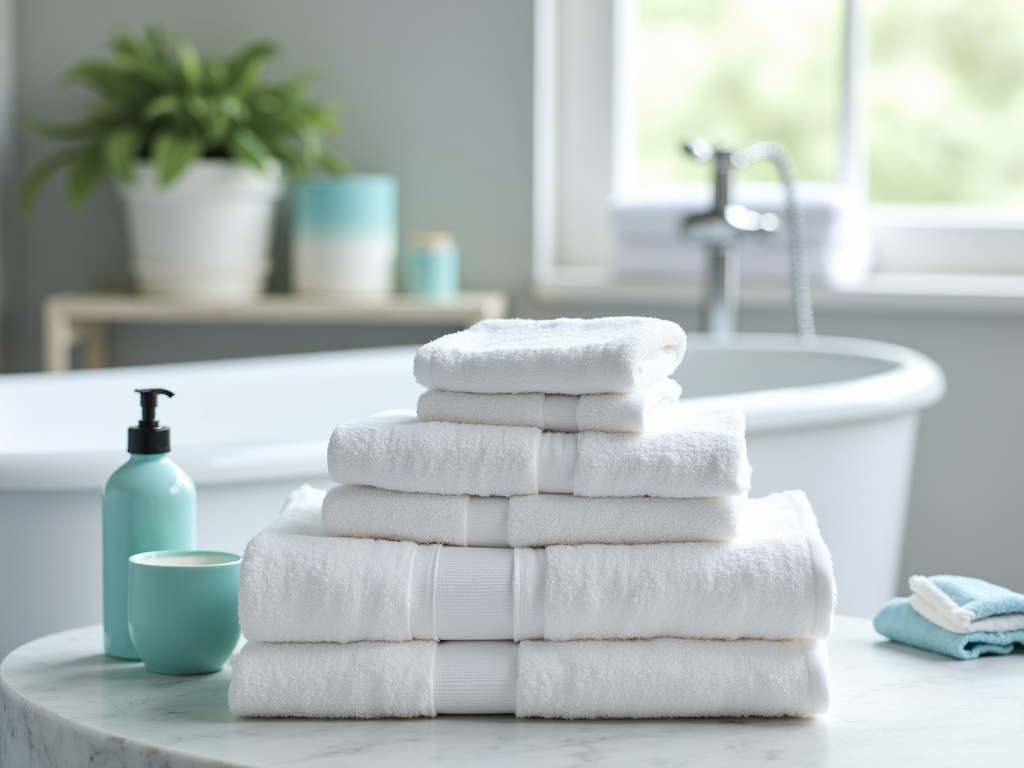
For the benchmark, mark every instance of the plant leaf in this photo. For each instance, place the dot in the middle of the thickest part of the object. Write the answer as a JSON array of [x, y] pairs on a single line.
[[73, 132], [172, 154], [104, 79], [86, 173], [42, 172], [247, 64], [334, 164], [121, 151], [247, 145], [190, 62], [167, 104]]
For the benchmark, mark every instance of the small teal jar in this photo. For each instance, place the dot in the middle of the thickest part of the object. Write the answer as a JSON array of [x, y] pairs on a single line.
[[431, 265]]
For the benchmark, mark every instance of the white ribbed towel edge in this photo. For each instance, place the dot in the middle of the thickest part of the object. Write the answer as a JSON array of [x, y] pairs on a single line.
[[774, 581]]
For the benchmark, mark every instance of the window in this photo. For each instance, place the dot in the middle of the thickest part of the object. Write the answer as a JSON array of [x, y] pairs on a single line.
[[922, 127]]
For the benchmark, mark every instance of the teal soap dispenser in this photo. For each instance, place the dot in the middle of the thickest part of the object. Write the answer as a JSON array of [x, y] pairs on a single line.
[[149, 503]]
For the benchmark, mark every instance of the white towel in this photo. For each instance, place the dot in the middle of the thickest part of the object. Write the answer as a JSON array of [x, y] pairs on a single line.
[[665, 677], [697, 453], [361, 511], [635, 412], [333, 680], [564, 357], [298, 585], [773, 582]]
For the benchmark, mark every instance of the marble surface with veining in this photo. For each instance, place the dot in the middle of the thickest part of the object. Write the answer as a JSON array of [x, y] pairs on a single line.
[[63, 703]]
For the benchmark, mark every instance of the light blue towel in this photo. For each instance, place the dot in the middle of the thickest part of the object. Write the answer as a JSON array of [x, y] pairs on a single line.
[[979, 597], [899, 622]]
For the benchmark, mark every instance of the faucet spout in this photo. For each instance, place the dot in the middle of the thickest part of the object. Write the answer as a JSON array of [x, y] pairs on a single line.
[[720, 229]]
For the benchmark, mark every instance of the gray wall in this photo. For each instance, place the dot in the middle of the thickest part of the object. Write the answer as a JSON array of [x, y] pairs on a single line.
[[439, 93]]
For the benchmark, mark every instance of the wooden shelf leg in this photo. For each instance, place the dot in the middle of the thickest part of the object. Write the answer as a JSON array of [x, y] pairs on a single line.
[[58, 339], [95, 341]]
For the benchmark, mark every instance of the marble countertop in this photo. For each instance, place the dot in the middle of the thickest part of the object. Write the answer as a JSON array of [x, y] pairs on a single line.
[[64, 703]]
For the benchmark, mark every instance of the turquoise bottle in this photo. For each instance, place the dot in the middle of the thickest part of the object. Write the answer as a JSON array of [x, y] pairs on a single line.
[[149, 503]]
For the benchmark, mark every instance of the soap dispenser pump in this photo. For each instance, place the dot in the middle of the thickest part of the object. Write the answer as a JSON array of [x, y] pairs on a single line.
[[149, 503]]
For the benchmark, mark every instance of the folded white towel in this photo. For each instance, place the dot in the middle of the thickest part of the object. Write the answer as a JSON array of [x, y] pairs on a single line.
[[565, 357], [665, 677], [634, 412], [774, 581], [696, 453], [297, 584], [333, 680], [365, 512], [669, 677]]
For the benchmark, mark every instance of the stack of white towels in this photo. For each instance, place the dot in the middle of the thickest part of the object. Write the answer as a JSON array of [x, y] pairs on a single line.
[[552, 535]]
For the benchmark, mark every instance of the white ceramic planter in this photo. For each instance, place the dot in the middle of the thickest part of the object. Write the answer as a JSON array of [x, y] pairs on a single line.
[[205, 237]]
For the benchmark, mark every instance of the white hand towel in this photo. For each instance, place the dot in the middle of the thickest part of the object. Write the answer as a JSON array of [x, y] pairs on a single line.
[[568, 356], [634, 412], [361, 511], [698, 453], [665, 677], [773, 582]]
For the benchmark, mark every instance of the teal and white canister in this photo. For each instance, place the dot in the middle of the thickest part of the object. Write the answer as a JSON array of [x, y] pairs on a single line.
[[344, 235], [431, 265]]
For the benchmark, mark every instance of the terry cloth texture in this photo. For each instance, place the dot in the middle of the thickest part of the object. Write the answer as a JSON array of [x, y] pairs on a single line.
[[774, 581], [964, 604], [638, 411], [899, 622], [564, 357], [361, 511], [665, 677], [700, 453]]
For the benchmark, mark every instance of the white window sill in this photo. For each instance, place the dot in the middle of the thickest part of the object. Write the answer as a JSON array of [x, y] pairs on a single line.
[[924, 292]]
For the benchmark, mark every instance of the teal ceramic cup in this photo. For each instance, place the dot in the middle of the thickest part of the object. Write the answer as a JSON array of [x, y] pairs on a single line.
[[183, 609]]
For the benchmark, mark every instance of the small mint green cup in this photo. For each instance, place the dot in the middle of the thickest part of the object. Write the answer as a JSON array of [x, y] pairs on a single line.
[[183, 609]]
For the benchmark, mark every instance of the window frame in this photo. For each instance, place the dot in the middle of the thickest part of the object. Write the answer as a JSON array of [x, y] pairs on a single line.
[[581, 128]]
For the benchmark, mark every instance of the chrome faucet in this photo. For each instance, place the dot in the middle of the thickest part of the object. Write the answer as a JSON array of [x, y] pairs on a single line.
[[720, 228]]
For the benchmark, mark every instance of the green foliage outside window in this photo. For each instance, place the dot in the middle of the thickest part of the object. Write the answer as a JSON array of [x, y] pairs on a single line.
[[943, 91]]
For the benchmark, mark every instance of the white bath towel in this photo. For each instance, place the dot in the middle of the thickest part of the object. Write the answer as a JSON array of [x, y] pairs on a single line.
[[635, 412], [696, 453], [665, 677], [568, 356], [333, 680], [361, 511], [773, 582], [298, 585]]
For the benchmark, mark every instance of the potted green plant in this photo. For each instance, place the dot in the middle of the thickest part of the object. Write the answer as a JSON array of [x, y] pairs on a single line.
[[198, 147]]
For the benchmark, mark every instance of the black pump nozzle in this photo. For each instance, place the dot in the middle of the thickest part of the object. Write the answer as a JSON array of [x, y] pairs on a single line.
[[149, 436]]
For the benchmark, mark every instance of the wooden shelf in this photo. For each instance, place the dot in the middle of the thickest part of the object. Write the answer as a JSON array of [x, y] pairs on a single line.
[[82, 319]]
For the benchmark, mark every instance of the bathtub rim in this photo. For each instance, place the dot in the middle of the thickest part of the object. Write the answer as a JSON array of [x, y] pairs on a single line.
[[915, 382]]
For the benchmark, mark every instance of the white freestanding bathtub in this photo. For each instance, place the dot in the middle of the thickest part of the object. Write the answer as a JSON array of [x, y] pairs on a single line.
[[840, 422]]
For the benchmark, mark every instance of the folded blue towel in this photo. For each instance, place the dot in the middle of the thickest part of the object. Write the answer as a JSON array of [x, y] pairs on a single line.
[[963, 604], [899, 622]]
